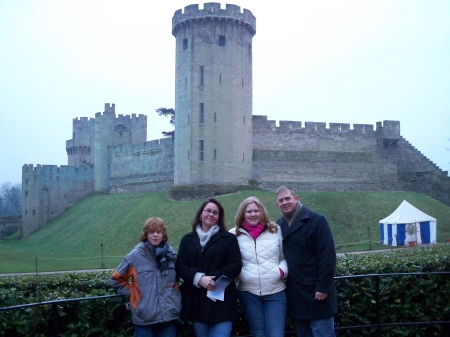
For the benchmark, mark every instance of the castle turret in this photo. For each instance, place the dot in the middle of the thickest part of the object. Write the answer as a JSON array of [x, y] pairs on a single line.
[[103, 141], [80, 148], [213, 89]]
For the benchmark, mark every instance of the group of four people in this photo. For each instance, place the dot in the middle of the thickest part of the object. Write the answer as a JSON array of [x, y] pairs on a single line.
[[283, 269]]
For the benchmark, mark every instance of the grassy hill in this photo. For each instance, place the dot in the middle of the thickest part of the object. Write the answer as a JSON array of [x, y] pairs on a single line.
[[104, 228]]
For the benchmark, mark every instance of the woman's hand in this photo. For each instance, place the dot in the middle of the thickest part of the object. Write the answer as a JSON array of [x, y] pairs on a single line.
[[207, 282]]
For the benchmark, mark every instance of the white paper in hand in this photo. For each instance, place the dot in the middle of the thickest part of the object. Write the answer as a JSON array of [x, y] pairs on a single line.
[[221, 283]]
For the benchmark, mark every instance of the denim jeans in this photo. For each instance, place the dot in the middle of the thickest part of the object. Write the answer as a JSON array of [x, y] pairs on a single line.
[[221, 329], [317, 328], [166, 329], [266, 315]]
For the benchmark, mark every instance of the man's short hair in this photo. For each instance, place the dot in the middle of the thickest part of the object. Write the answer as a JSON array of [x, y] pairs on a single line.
[[284, 188]]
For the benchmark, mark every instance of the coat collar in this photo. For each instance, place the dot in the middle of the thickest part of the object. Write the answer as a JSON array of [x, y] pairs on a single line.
[[196, 241], [297, 223]]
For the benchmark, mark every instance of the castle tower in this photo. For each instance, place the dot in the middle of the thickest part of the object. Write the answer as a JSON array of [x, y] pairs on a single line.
[[213, 95], [80, 148], [103, 141]]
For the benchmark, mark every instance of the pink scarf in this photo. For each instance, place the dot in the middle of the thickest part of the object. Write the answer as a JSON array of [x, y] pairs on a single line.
[[254, 231]]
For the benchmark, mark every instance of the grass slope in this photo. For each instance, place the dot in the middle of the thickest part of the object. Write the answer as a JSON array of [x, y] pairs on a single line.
[[113, 223]]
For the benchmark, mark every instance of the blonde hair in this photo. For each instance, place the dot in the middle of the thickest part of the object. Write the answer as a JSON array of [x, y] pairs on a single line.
[[264, 215]]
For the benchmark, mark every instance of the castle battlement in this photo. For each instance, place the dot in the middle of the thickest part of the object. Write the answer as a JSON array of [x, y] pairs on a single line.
[[150, 146], [47, 170], [84, 119], [126, 118], [386, 129], [212, 10]]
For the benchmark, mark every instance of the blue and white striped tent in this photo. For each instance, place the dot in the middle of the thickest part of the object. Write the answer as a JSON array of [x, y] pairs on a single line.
[[393, 227]]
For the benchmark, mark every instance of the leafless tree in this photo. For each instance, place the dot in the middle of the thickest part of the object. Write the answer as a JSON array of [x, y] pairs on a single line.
[[11, 199]]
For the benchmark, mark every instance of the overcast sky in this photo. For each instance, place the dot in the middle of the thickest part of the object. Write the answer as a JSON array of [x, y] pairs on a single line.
[[355, 62]]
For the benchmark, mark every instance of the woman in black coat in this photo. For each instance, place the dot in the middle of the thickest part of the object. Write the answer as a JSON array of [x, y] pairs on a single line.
[[204, 255]]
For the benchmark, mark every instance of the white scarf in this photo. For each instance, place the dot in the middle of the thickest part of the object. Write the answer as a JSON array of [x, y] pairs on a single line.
[[205, 236]]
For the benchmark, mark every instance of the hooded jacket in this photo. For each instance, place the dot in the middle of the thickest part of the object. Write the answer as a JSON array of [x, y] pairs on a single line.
[[154, 296], [262, 260]]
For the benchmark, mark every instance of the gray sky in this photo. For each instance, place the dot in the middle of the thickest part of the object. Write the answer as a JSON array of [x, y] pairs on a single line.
[[355, 62]]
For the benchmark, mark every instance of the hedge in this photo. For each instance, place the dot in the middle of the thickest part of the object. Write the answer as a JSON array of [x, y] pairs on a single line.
[[413, 298]]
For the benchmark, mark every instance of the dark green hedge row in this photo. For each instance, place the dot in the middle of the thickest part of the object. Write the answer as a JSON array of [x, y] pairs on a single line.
[[402, 299]]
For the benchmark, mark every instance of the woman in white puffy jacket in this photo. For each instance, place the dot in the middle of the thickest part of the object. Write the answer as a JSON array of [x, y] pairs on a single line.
[[261, 281]]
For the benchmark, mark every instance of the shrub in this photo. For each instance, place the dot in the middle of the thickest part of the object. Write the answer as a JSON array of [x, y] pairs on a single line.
[[412, 298]]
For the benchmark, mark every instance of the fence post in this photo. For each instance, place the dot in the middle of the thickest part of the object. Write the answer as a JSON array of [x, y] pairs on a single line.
[[103, 264], [36, 265], [55, 327], [377, 299], [370, 243]]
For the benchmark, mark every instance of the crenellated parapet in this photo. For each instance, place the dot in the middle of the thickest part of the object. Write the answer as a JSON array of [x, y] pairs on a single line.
[[212, 11], [262, 125], [142, 148], [128, 118], [50, 171]]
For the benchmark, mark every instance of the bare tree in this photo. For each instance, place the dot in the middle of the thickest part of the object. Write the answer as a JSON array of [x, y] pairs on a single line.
[[11, 199]]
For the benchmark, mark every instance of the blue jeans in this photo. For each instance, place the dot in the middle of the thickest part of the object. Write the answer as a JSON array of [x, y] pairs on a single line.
[[317, 328], [166, 329], [221, 329], [266, 315]]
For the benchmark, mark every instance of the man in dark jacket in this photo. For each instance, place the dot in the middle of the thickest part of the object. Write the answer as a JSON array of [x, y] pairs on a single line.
[[308, 247]]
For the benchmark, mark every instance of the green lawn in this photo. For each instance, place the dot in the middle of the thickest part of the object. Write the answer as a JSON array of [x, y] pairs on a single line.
[[104, 228]]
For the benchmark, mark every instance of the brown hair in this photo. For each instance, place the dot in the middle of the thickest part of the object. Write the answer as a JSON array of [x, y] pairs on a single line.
[[264, 215], [197, 219], [151, 225]]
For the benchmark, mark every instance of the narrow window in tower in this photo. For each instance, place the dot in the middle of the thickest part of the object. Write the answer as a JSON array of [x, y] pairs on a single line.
[[215, 117], [220, 79], [202, 113], [185, 44], [26, 212], [243, 119], [185, 81], [242, 82], [243, 157], [34, 212], [215, 153], [189, 155], [201, 148], [222, 40], [26, 193], [202, 75], [189, 119]]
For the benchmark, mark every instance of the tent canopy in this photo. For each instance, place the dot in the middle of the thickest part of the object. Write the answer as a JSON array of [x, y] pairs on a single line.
[[407, 213], [393, 228]]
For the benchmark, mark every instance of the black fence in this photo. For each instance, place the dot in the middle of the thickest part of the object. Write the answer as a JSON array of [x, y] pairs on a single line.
[[378, 325]]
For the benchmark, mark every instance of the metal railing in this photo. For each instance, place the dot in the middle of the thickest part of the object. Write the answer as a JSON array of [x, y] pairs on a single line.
[[378, 325]]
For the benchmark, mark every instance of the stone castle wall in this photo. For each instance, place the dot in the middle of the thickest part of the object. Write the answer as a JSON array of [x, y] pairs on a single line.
[[48, 190], [144, 167], [309, 157], [341, 158]]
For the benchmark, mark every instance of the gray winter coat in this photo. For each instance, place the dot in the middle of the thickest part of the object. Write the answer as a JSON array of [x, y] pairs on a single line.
[[154, 297]]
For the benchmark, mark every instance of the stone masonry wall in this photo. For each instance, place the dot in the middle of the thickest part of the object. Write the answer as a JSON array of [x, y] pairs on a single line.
[[48, 190], [341, 158], [144, 167]]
